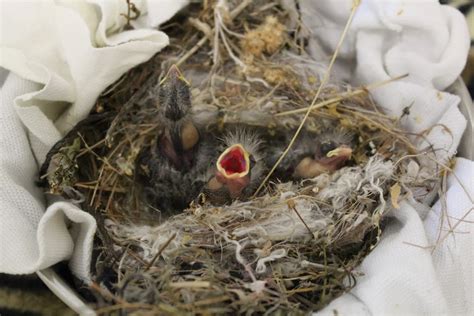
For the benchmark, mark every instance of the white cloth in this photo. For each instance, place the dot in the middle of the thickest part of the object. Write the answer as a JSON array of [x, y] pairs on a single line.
[[68, 52], [56, 54], [390, 38], [429, 42]]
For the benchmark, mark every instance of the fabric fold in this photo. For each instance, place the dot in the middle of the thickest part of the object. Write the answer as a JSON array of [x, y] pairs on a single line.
[[67, 53]]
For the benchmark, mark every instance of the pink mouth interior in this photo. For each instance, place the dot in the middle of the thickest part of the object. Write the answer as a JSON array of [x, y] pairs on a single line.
[[234, 161]]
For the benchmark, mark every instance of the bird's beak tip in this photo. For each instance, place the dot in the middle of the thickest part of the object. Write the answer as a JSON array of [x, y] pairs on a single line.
[[174, 73], [341, 151]]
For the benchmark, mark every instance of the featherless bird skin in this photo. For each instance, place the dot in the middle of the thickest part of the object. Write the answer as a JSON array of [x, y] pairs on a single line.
[[332, 151]]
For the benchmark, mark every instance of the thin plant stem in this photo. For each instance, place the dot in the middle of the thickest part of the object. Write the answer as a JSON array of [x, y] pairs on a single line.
[[313, 103]]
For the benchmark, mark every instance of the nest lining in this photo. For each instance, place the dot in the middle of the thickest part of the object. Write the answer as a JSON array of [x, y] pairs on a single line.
[[292, 248]]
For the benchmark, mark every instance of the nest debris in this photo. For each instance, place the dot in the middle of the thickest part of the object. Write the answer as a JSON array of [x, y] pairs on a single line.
[[291, 249], [266, 38]]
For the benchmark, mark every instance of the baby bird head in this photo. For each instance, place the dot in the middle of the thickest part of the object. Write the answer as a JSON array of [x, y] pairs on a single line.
[[334, 155], [333, 150], [174, 95], [238, 168]]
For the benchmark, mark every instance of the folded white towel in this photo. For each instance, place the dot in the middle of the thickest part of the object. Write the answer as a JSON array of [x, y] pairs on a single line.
[[67, 53]]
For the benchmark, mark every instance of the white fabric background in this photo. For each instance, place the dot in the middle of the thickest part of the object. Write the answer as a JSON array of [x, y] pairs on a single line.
[[67, 52], [59, 53]]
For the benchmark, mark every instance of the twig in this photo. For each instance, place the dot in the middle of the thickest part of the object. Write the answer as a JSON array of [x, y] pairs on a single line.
[[191, 52], [201, 26], [106, 310], [106, 293], [89, 148], [412, 149], [190, 284], [131, 7], [103, 188], [308, 111], [305, 263], [104, 160], [344, 96], [162, 248], [113, 86], [101, 171], [471, 199], [234, 13], [109, 202], [292, 205]]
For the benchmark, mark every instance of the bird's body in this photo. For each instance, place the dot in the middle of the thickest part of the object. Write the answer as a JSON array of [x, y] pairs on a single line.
[[169, 189], [170, 168]]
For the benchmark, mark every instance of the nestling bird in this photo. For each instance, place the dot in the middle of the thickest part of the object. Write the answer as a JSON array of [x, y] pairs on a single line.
[[173, 179], [238, 170], [223, 170], [179, 134], [313, 154]]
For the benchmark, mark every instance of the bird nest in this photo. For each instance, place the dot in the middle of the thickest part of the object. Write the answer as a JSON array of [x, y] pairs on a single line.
[[177, 233]]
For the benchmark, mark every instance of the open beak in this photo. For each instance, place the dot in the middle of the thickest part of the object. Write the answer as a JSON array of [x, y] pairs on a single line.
[[233, 168], [234, 162]]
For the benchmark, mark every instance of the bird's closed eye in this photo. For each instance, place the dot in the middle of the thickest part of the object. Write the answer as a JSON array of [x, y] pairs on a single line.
[[327, 147]]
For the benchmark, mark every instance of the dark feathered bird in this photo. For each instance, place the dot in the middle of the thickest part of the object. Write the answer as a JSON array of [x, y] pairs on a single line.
[[172, 190], [173, 178], [179, 135], [184, 162]]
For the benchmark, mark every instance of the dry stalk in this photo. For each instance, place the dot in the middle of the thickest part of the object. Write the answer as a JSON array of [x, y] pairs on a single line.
[[292, 206], [158, 254], [233, 14], [313, 103], [335, 100]]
